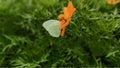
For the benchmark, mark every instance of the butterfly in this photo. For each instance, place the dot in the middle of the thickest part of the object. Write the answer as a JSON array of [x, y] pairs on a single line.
[[52, 26], [57, 27]]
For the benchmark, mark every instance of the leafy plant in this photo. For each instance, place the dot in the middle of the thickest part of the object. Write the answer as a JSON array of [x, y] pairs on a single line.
[[92, 39]]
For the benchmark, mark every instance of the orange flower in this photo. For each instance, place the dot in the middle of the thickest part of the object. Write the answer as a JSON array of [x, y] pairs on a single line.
[[66, 17], [113, 2]]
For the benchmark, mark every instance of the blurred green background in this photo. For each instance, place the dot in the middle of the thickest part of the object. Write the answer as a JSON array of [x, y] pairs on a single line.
[[91, 40]]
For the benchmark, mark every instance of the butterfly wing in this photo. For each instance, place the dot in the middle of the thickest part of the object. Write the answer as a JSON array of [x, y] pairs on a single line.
[[52, 26]]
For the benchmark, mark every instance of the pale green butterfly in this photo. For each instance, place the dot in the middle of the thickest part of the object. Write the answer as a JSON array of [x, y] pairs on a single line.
[[52, 26]]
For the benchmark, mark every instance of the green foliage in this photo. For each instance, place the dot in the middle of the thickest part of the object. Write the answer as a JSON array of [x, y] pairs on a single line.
[[91, 40]]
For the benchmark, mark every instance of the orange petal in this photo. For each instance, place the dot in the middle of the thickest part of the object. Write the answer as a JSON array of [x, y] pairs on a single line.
[[63, 32], [61, 23], [66, 13], [113, 1], [70, 9], [65, 24], [61, 16]]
